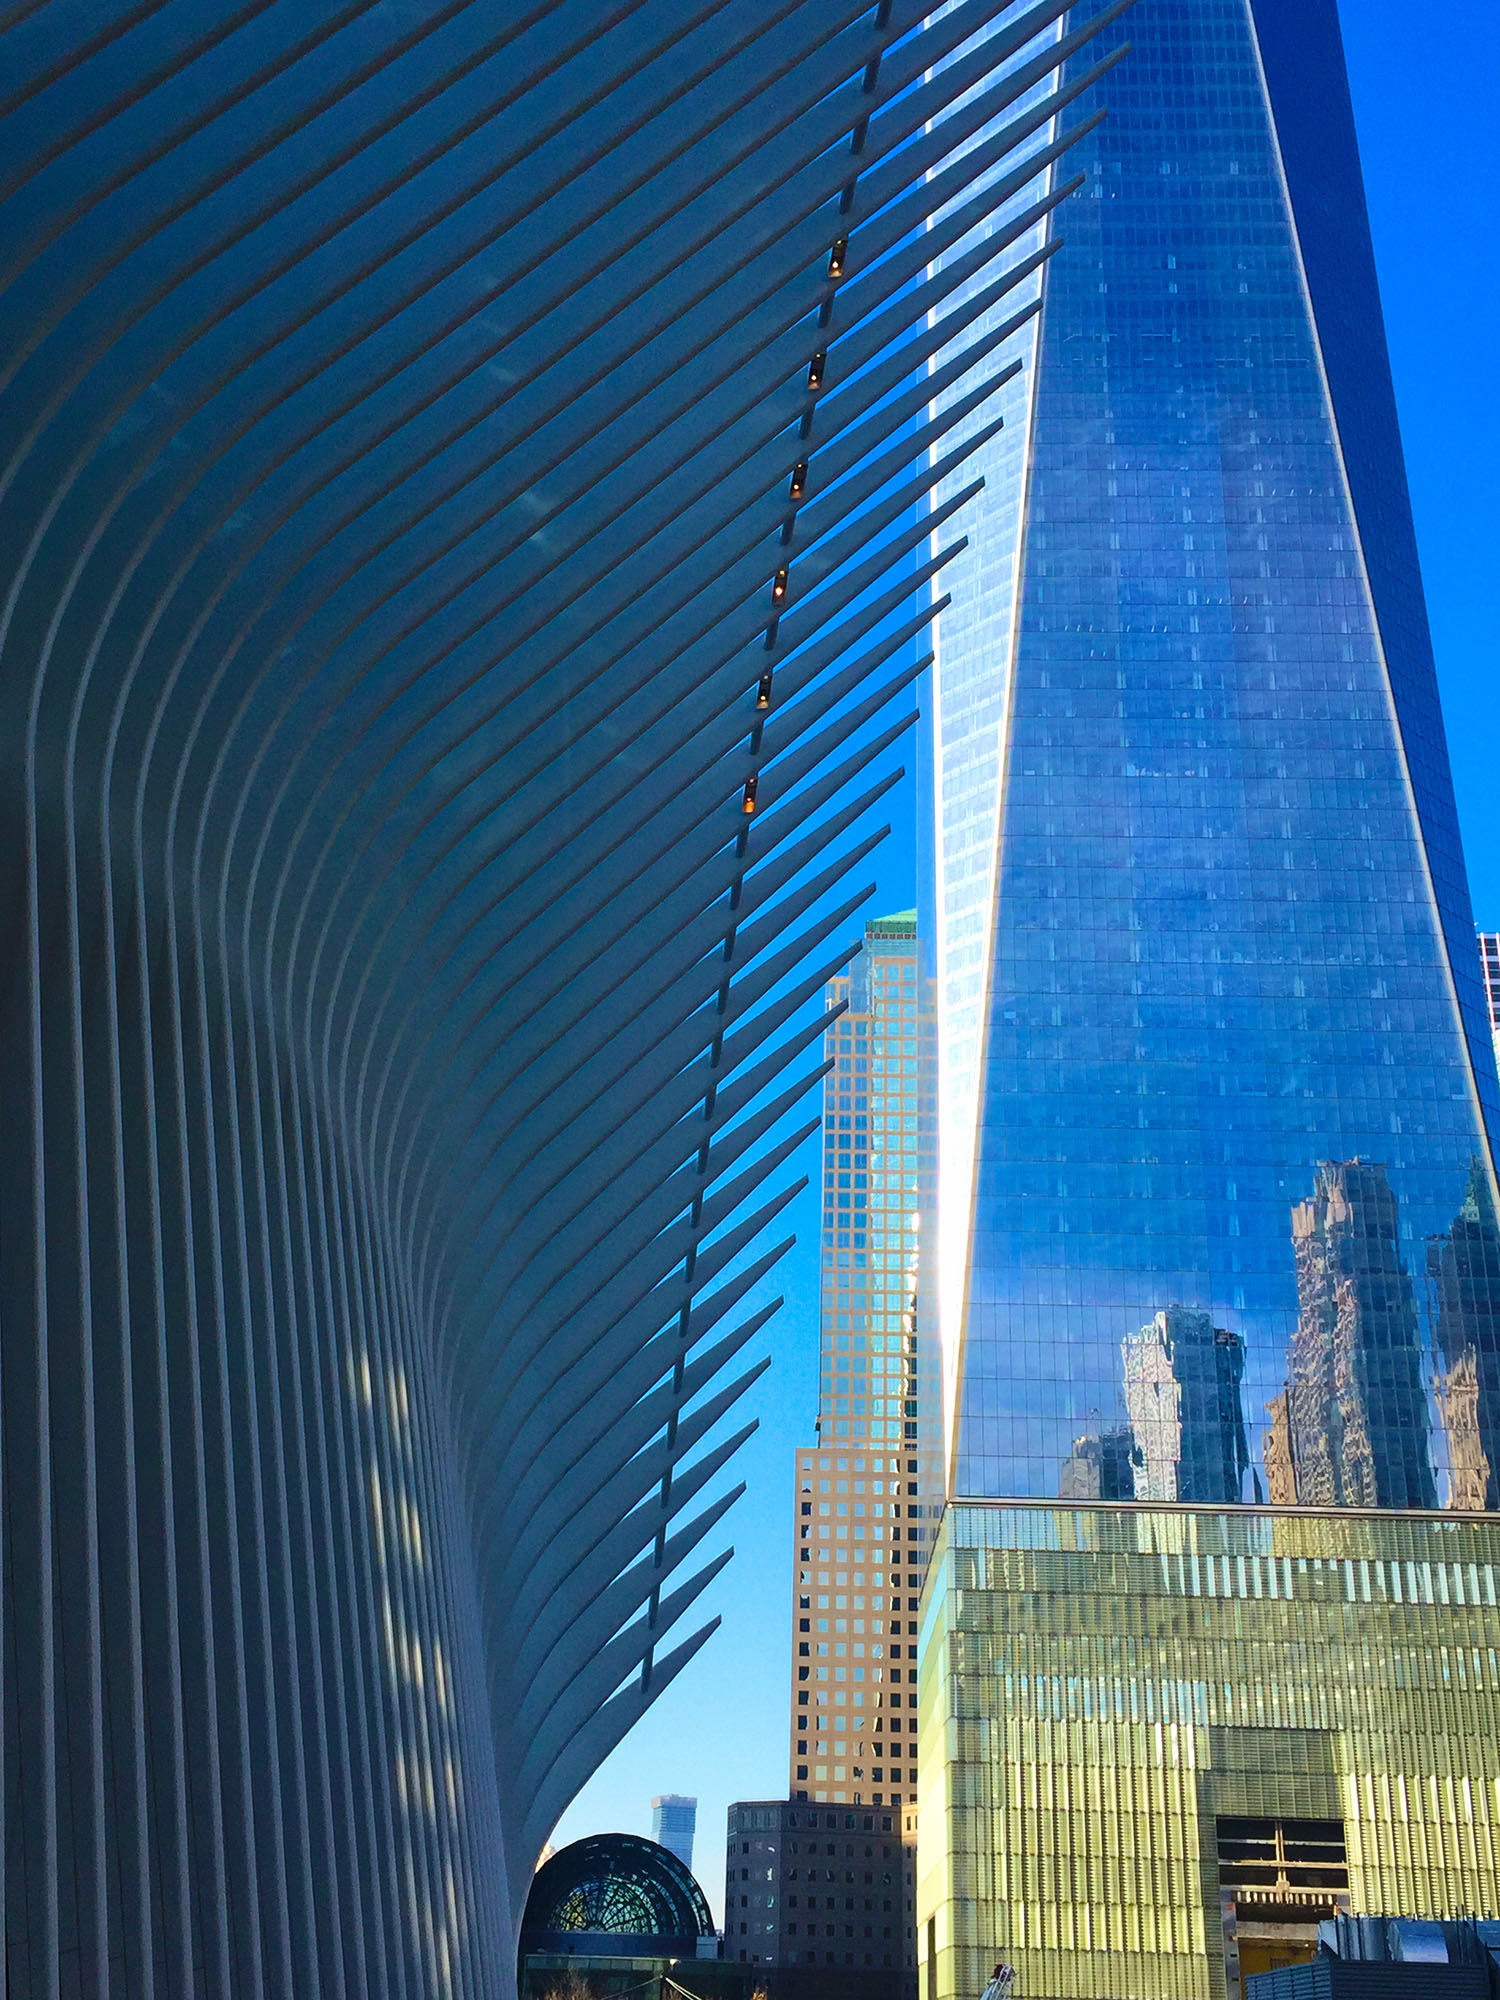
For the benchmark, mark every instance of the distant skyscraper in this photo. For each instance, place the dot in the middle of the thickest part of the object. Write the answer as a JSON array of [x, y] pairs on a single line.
[[866, 1495], [1489, 961], [674, 1820], [1216, 1080]]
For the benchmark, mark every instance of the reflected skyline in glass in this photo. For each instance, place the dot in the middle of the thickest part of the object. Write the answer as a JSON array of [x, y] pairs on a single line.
[[1355, 1413], [1464, 1274], [1182, 1390]]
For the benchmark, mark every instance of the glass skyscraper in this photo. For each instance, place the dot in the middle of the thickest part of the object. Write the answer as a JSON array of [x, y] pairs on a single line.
[[1206, 962], [1218, 1215], [674, 1821]]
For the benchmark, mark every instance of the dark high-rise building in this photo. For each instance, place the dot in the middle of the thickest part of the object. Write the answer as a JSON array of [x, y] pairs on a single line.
[[820, 1898], [1182, 1390], [458, 482], [1215, 1082]]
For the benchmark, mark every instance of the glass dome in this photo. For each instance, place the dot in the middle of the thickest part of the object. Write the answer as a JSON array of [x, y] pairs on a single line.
[[617, 1882]]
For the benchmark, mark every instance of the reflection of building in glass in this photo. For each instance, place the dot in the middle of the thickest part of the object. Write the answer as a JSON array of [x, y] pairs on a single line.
[[1101, 1466], [867, 1493], [1464, 1268], [1182, 1390], [1281, 1479], [1356, 1411], [1469, 1474]]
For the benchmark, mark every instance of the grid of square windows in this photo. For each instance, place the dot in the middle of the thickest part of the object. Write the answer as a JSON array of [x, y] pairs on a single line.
[[867, 1494]]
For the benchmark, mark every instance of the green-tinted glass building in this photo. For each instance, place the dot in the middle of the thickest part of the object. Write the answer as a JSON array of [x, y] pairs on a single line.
[[1207, 1632], [1160, 1743]]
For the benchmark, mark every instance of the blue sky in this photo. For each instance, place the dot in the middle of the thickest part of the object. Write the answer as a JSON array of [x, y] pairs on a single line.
[[1427, 104]]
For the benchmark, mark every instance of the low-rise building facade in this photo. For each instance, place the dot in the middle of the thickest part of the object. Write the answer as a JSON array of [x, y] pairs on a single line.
[[817, 1886]]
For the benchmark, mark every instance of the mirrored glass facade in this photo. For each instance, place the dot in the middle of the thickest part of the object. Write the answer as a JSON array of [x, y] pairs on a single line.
[[1222, 1227]]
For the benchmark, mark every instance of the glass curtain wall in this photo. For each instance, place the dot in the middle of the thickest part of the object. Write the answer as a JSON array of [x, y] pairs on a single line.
[[1219, 1212]]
